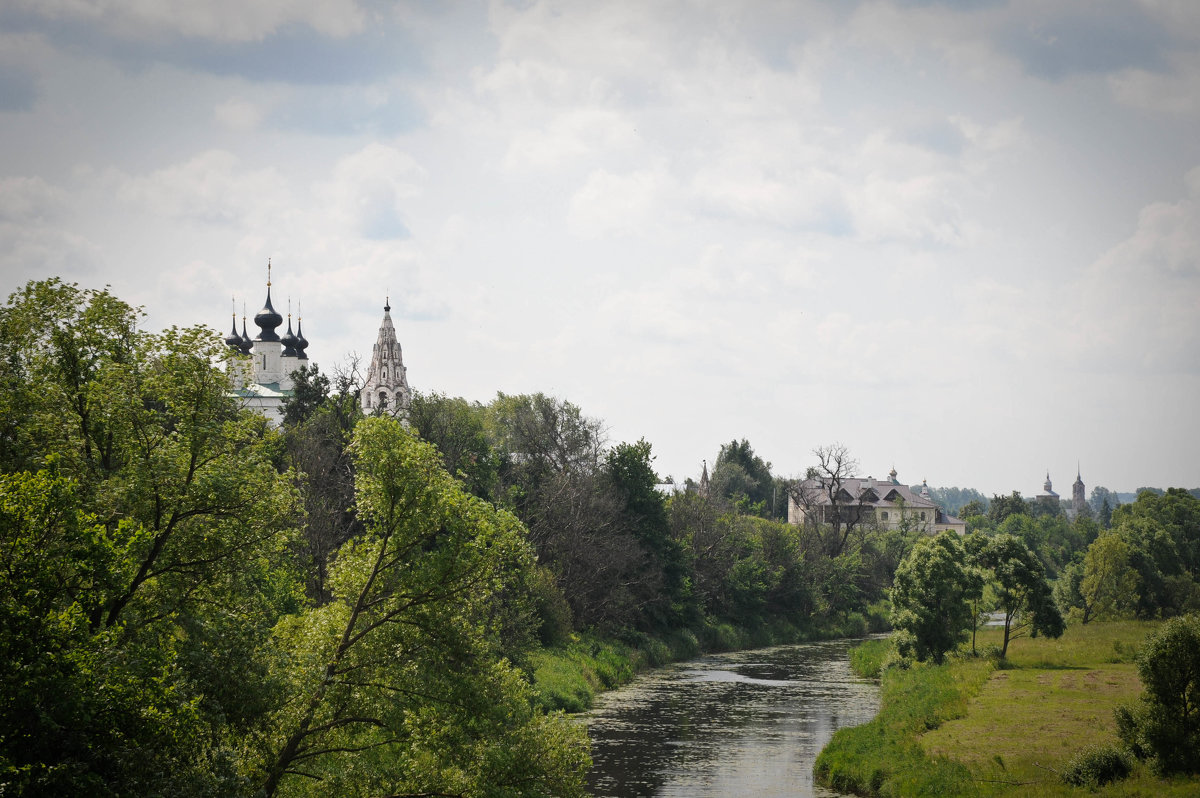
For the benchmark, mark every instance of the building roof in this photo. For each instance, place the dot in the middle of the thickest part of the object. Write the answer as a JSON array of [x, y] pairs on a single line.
[[869, 492]]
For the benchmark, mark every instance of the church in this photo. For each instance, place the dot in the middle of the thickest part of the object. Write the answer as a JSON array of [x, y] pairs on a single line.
[[263, 380]]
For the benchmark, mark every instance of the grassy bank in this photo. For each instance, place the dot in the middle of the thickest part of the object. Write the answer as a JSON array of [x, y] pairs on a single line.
[[977, 726], [569, 677]]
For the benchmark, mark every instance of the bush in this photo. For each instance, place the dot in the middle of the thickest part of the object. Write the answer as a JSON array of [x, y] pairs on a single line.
[[1164, 726], [1097, 765]]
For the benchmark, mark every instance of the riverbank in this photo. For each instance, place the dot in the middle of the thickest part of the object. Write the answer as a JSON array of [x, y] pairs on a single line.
[[978, 726], [569, 677]]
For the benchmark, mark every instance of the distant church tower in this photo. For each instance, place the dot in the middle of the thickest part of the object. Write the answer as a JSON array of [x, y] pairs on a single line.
[[387, 378], [1078, 499]]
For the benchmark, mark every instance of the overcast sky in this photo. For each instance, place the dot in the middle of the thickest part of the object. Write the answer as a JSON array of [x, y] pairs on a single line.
[[961, 238]]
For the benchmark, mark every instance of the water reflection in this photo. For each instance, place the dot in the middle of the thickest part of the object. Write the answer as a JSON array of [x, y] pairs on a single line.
[[748, 723]]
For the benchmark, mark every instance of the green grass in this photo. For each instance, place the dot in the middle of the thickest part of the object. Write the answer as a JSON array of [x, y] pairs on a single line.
[[866, 659], [976, 726]]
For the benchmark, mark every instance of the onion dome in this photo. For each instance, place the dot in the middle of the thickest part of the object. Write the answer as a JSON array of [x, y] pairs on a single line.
[[246, 345], [289, 340], [267, 320], [233, 340], [301, 342]]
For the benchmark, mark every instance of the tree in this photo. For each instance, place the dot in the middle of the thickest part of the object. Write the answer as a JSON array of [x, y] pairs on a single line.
[[1165, 725], [145, 512], [631, 473], [743, 478], [1022, 591], [930, 598], [1001, 507], [396, 686], [1109, 586], [458, 429], [831, 510]]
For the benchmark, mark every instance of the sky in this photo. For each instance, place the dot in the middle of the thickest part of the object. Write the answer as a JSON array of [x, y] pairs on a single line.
[[959, 238]]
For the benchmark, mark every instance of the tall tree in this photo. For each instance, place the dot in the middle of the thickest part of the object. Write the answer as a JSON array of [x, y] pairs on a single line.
[[1022, 592], [832, 510], [396, 687], [743, 479], [931, 595], [171, 529]]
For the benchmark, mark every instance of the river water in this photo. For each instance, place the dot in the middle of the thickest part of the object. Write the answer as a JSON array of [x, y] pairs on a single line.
[[748, 723]]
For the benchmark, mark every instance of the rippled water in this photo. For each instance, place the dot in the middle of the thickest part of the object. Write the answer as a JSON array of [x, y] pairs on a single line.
[[744, 724]]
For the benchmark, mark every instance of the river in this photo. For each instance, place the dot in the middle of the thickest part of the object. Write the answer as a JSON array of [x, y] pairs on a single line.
[[748, 723]]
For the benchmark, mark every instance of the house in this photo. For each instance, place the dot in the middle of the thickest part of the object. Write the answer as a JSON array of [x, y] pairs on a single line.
[[859, 500]]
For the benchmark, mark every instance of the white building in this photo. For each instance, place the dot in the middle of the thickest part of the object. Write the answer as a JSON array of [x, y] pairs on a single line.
[[859, 500], [263, 379], [386, 386]]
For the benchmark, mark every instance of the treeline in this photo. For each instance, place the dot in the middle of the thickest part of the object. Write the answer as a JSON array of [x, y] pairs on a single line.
[[187, 608], [195, 603]]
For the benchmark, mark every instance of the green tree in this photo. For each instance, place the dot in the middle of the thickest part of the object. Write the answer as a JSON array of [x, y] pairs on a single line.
[[931, 595], [396, 687], [458, 429], [1022, 591], [1001, 507], [1165, 725], [743, 479], [1109, 586], [156, 504]]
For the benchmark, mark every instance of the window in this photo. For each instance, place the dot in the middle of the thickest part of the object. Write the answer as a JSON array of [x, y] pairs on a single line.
[[883, 515], [922, 516]]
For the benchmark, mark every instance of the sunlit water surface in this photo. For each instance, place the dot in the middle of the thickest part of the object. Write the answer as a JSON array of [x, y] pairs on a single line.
[[744, 724]]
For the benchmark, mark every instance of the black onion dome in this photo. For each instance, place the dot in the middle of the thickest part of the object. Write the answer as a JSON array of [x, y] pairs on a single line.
[[289, 340], [301, 342], [233, 340], [267, 320], [246, 344]]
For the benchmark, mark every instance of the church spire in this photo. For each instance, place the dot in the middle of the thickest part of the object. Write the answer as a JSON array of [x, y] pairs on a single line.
[[386, 386]]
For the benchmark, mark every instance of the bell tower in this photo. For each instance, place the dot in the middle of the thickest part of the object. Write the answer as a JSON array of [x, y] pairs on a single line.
[[386, 386]]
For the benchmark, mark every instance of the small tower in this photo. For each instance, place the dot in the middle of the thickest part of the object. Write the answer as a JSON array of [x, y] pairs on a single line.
[[704, 480], [1078, 497], [386, 386]]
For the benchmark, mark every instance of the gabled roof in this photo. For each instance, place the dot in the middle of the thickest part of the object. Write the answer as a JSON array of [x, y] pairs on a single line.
[[864, 491]]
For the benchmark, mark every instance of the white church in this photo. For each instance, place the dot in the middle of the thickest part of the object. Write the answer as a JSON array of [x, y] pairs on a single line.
[[263, 380]]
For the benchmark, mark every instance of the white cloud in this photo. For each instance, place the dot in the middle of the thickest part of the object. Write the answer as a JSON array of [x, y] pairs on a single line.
[[1138, 304], [212, 187], [238, 115]]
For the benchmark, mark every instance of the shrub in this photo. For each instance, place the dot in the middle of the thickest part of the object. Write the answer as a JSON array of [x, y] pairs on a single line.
[[1164, 726], [1097, 765]]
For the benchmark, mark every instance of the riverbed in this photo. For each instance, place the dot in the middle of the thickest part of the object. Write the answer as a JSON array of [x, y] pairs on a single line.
[[748, 723]]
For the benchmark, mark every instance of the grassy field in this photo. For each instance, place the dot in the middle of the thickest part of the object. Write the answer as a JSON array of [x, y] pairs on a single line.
[[978, 727]]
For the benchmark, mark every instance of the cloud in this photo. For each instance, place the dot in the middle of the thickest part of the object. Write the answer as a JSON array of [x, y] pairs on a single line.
[[220, 20], [1137, 305], [369, 188], [1055, 41], [212, 188]]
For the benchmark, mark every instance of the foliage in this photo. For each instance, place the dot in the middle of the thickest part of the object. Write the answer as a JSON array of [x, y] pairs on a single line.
[[930, 598], [1165, 725], [743, 480], [1098, 765], [1022, 592], [147, 537], [401, 667]]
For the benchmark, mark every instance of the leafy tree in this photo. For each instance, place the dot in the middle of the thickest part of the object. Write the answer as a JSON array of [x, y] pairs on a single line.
[[154, 506], [458, 429], [1022, 591], [1109, 586], [743, 478], [1165, 725], [930, 598], [629, 468], [396, 687], [1001, 507]]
